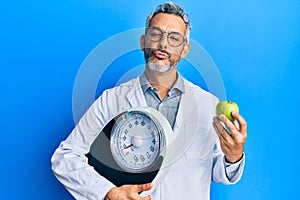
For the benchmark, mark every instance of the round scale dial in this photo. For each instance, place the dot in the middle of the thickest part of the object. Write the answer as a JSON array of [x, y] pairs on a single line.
[[136, 141]]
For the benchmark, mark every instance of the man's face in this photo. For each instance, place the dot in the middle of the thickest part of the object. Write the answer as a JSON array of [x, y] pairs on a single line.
[[164, 43]]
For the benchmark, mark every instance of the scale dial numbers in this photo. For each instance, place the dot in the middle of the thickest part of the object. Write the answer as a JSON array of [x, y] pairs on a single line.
[[135, 142]]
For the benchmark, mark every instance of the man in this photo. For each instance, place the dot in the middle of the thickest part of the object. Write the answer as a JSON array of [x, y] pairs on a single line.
[[201, 156]]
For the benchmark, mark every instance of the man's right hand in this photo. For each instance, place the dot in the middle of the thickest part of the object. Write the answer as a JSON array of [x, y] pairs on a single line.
[[128, 192]]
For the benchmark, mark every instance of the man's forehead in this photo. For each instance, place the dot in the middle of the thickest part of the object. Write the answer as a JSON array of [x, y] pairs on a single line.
[[169, 22]]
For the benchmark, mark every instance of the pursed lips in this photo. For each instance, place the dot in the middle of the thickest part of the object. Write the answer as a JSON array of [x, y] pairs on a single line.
[[161, 54]]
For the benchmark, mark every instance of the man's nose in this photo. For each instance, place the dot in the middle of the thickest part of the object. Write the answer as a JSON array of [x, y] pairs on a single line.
[[163, 42]]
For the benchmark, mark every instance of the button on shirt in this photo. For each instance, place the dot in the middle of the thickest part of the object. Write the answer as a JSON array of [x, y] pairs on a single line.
[[169, 105]]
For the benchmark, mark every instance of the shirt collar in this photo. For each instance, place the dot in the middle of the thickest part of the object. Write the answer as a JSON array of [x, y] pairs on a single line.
[[145, 84], [179, 84]]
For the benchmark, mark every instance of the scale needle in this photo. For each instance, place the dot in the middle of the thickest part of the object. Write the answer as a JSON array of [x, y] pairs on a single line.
[[128, 146]]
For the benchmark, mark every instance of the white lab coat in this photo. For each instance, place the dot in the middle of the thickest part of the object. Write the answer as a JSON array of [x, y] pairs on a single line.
[[198, 158]]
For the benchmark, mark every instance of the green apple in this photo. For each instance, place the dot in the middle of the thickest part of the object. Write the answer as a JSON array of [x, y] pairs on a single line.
[[226, 108]]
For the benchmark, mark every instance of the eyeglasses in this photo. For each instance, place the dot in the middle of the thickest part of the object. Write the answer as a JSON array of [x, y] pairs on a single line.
[[155, 34]]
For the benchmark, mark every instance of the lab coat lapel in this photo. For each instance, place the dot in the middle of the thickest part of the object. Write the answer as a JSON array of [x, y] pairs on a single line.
[[135, 95], [193, 125], [185, 128]]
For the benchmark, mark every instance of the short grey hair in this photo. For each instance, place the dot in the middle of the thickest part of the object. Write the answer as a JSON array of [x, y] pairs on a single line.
[[172, 8]]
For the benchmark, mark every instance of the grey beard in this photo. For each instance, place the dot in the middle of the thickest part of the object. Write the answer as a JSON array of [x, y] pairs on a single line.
[[154, 67]]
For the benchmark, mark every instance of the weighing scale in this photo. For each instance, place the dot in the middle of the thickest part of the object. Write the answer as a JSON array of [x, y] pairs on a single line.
[[132, 148]]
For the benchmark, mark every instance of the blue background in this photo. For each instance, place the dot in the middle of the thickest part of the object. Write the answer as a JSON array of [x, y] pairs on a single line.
[[255, 45]]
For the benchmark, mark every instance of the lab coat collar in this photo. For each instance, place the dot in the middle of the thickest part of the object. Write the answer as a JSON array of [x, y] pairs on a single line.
[[135, 96]]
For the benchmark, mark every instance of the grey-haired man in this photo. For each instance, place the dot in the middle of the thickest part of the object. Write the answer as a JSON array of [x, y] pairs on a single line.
[[211, 155]]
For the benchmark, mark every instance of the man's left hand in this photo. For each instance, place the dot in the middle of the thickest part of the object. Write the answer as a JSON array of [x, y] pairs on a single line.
[[233, 139]]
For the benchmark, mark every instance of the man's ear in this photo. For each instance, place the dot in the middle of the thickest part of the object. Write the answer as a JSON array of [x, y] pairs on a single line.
[[185, 50], [142, 42]]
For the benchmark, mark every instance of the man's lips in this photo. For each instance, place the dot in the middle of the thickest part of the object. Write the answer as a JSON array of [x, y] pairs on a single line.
[[161, 55]]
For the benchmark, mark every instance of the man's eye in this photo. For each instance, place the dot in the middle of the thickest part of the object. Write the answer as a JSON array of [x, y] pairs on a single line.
[[153, 34], [174, 38]]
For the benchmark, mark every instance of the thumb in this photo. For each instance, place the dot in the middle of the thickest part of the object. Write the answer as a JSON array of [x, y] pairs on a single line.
[[143, 187]]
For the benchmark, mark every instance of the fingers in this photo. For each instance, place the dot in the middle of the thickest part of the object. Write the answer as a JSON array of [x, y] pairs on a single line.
[[147, 198], [140, 188], [221, 131], [143, 187], [242, 122], [238, 128], [129, 192], [231, 127]]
